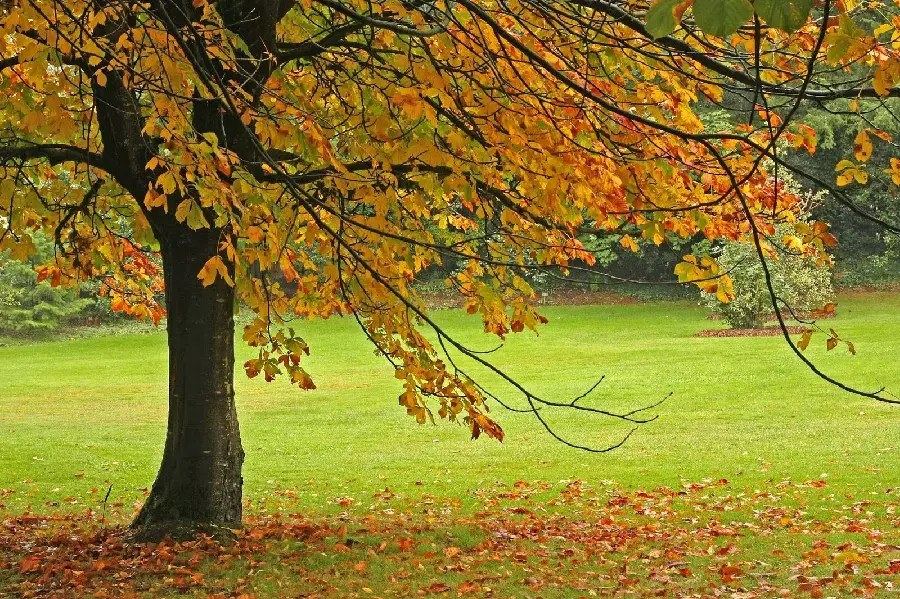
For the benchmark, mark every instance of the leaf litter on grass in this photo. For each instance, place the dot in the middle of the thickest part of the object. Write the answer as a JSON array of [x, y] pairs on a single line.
[[530, 539]]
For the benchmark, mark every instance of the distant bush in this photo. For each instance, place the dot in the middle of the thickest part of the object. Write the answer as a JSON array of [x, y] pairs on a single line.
[[798, 280], [877, 270]]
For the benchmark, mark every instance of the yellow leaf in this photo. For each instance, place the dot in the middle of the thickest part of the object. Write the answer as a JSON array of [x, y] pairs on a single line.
[[207, 274], [894, 171], [255, 234], [167, 182], [195, 218], [214, 267], [184, 208], [628, 242], [844, 164], [862, 146]]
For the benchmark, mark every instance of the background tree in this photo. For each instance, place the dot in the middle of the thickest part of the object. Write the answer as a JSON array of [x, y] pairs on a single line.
[[350, 145], [31, 307]]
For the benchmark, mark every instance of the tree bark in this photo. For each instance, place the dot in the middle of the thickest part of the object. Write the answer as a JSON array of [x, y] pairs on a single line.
[[199, 481]]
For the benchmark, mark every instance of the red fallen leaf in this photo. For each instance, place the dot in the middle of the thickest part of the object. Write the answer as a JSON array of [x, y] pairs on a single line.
[[894, 566], [359, 567], [817, 483], [79, 475], [730, 571], [437, 587], [467, 587], [686, 572], [405, 544], [727, 550], [29, 564], [99, 565], [452, 551]]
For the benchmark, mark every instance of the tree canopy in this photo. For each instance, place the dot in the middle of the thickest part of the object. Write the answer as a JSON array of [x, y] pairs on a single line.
[[310, 159]]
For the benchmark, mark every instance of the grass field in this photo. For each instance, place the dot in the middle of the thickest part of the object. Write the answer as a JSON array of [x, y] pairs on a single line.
[[77, 416]]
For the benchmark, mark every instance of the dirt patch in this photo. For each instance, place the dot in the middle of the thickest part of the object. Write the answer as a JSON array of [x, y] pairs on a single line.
[[581, 297], [566, 297], [868, 289], [787, 316], [763, 332]]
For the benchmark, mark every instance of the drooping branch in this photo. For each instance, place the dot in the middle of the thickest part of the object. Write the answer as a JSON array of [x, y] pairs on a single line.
[[684, 50]]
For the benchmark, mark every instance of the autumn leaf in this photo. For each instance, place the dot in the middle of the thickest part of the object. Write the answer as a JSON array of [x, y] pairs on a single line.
[[805, 339], [467, 587], [213, 268], [894, 171], [628, 243], [849, 172], [862, 146], [437, 588]]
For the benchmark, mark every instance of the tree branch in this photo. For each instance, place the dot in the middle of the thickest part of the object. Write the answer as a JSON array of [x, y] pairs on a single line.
[[53, 153], [312, 48], [9, 62]]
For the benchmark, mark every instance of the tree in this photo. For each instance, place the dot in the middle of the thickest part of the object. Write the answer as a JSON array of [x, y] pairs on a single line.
[[29, 307], [347, 146]]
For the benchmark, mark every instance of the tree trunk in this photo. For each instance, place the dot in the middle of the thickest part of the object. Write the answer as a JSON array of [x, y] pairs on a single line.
[[199, 482]]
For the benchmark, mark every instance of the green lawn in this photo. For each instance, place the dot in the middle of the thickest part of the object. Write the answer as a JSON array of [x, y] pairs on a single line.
[[743, 409], [79, 415]]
